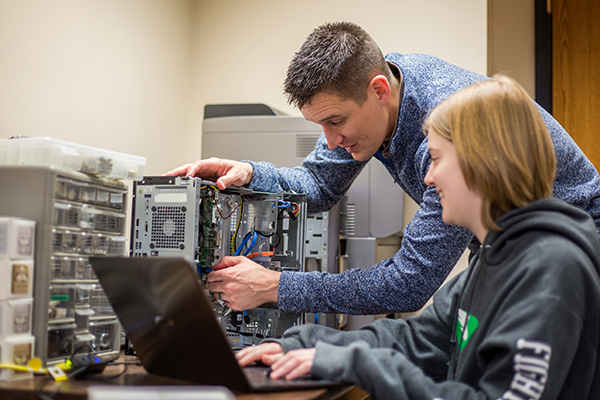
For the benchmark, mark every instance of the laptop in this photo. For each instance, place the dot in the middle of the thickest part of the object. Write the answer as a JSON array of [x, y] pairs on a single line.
[[173, 327]]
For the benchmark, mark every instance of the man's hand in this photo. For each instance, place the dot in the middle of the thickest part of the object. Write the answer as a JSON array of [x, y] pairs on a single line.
[[293, 364], [266, 353], [224, 172], [243, 284]]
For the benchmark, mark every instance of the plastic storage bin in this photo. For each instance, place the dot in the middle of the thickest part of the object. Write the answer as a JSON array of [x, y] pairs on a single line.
[[15, 317], [16, 237], [16, 350], [50, 152], [107, 334], [62, 302], [16, 279], [61, 339]]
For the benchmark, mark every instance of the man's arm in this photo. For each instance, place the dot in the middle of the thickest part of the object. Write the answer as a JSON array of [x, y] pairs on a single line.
[[325, 175], [430, 249], [404, 283]]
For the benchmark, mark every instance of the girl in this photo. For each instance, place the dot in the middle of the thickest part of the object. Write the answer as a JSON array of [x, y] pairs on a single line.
[[523, 321]]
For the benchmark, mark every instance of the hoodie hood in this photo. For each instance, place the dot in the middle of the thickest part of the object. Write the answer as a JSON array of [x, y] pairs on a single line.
[[545, 216]]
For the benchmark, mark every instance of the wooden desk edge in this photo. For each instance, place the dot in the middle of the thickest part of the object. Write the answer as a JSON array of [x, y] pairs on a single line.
[[137, 376]]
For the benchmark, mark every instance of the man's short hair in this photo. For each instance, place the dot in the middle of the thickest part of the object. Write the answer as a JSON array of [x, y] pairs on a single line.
[[503, 146], [338, 58]]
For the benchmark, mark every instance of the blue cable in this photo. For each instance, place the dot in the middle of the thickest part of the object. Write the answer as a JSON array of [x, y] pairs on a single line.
[[252, 243], [240, 248], [284, 204], [243, 244]]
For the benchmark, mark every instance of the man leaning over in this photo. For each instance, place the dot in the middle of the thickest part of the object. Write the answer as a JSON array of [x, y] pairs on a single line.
[[369, 106]]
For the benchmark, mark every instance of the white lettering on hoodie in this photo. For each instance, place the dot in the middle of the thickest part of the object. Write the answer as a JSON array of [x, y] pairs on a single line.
[[531, 365]]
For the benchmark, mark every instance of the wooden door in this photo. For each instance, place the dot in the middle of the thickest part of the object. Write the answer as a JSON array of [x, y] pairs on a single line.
[[576, 72]]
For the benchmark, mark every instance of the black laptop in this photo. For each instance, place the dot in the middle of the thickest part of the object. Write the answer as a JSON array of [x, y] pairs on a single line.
[[173, 327]]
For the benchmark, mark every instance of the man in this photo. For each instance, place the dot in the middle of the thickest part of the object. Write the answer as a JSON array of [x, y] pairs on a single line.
[[369, 106]]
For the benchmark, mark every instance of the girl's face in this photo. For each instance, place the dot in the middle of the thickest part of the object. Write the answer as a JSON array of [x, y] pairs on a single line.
[[460, 205]]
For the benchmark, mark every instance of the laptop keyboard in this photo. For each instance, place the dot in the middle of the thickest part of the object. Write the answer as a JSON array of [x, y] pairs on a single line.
[[259, 377]]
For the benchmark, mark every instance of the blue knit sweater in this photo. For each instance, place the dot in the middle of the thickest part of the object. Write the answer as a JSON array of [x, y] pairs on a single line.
[[430, 248]]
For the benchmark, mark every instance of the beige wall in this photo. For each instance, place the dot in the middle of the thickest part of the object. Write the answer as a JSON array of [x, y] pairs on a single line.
[[134, 75], [511, 40], [112, 74], [510, 50]]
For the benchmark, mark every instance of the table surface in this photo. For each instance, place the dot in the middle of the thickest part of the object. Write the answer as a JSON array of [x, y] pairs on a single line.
[[135, 375]]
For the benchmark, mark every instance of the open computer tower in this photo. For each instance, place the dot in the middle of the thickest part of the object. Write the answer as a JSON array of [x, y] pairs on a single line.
[[192, 218]]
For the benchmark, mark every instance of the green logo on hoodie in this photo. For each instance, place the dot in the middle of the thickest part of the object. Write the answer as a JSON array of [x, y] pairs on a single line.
[[465, 328]]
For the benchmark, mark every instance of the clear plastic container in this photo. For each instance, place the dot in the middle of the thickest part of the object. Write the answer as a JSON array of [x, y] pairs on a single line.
[[84, 269], [102, 197], [60, 340], [87, 244], [84, 343], [102, 245], [88, 194], [65, 241], [107, 334], [116, 246], [116, 222], [62, 303], [83, 296], [66, 215], [117, 200], [100, 303], [62, 267], [17, 237], [50, 152], [16, 280], [87, 217], [101, 222], [82, 318], [15, 317], [17, 349]]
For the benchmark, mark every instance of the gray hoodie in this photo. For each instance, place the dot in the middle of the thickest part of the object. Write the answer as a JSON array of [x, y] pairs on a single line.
[[533, 300]]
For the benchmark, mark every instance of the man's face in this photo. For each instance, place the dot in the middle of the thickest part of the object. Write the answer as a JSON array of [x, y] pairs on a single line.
[[360, 130]]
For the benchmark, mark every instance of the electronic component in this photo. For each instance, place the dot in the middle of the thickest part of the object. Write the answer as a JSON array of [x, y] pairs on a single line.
[[16, 238], [87, 365], [16, 350], [192, 218], [16, 279], [15, 317]]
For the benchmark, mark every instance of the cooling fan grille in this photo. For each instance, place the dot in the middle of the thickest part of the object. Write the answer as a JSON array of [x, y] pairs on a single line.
[[168, 227]]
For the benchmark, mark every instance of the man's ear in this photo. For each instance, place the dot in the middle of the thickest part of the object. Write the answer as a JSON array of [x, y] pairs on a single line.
[[381, 86]]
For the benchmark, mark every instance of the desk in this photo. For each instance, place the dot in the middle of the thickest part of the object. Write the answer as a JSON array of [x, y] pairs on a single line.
[[137, 376]]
